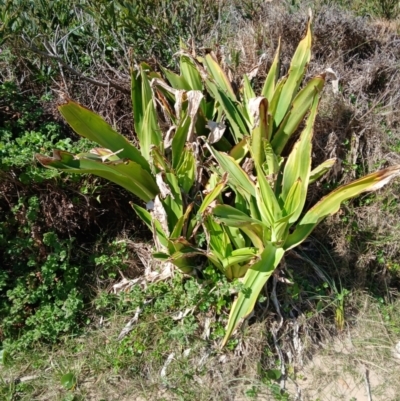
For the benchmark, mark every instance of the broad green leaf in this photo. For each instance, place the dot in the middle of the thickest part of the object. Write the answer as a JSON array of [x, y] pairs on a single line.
[[272, 105], [179, 141], [219, 77], [176, 81], [271, 166], [266, 199], [173, 204], [264, 210], [253, 282], [240, 150], [184, 262], [272, 77], [140, 95], [186, 171], [295, 75], [100, 154], [128, 175], [150, 133], [218, 239], [144, 112], [321, 170], [236, 237], [220, 245], [240, 256], [215, 260], [247, 208], [190, 74], [294, 198], [236, 176], [239, 270], [68, 381], [232, 110], [236, 265], [280, 231], [298, 167], [182, 254], [235, 218], [91, 126], [330, 204], [248, 93], [299, 108], [255, 238], [158, 160], [179, 227], [210, 197], [253, 206]]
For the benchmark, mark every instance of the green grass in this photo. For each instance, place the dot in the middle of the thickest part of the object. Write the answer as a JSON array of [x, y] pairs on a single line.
[[105, 368], [97, 359]]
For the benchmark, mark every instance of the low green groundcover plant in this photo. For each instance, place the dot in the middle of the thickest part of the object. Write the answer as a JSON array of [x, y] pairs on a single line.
[[40, 294], [214, 171]]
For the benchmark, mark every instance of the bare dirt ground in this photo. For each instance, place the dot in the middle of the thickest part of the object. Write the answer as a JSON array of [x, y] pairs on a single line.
[[362, 364]]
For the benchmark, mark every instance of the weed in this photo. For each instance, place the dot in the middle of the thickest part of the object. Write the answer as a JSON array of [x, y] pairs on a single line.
[[24, 130]]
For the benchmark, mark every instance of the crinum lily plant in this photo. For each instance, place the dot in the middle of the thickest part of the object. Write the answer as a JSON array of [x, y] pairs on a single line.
[[198, 140]]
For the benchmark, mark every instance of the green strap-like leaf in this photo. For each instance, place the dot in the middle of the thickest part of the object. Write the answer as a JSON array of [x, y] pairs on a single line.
[[248, 93], [210, 197], [298, 166], [144, 112], [330, 204], [148, 220], [150, 133], [235, 218], [219, 241], [186, 171], [321, 170], [219, 76], [128, 175], [253, 282], [173, 204], [236, 176], [190, 73], [179, 226], [266, 199], [232, 110], [295, 75], [179, 140], [240, 150], [272, 77], [299, 108], [271, 166], [176, 81], [272, 105], [233, 262], [91, 126]]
